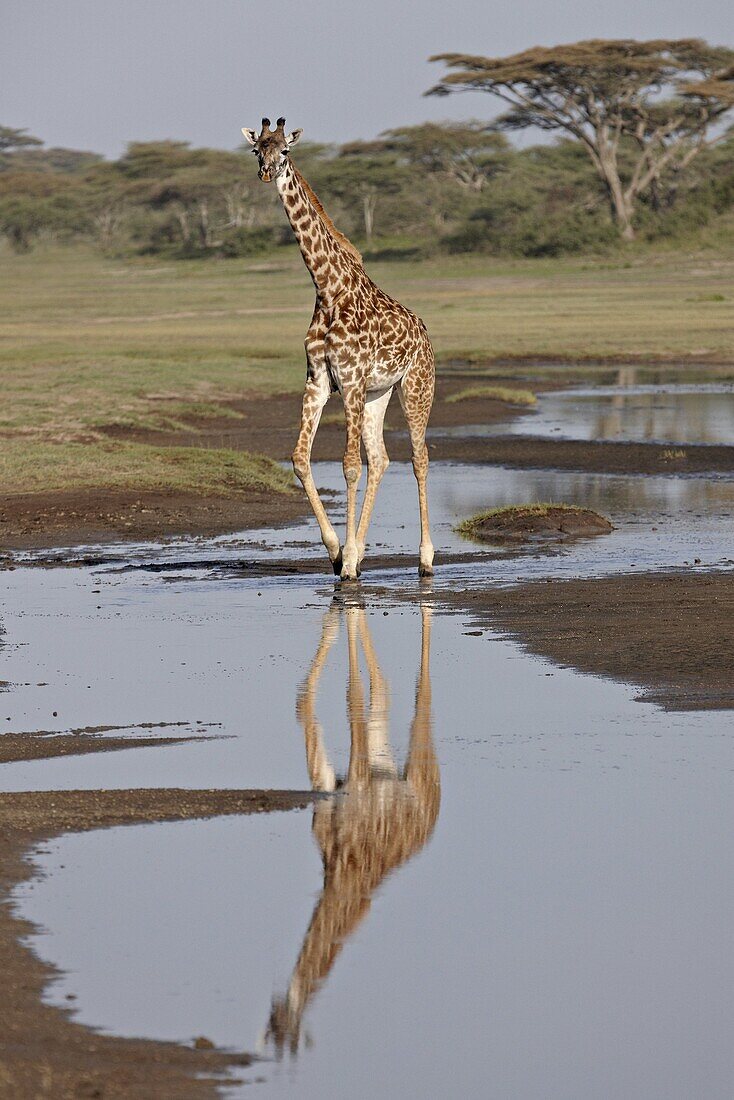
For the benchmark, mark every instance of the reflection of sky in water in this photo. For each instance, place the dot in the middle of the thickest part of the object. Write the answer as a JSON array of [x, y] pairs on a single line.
[[575, 900], [645, 414]]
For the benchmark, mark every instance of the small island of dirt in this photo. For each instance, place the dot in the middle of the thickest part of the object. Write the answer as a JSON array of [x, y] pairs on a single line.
[[534, 522]]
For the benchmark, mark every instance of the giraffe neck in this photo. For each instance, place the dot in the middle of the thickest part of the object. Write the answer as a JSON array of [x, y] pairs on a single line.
[[333, 265]]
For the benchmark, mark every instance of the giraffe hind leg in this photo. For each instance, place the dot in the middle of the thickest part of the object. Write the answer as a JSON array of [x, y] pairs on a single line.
[[416, 397], [354, 401]]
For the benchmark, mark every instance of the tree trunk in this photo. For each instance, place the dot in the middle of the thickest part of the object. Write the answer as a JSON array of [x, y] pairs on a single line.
[[204, 228], [369, 203], [183, 221], [621, 207]]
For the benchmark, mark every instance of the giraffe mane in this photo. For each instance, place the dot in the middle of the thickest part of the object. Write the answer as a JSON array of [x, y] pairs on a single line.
[[337, 234]]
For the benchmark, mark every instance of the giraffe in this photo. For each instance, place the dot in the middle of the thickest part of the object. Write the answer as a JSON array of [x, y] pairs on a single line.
[[361, 343], [380, 819]]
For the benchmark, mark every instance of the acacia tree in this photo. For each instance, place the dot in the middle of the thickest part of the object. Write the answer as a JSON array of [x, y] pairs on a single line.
[[640, 109], [11, 139]]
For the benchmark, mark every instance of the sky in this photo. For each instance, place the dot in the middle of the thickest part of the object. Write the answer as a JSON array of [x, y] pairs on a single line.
[[96, 74]]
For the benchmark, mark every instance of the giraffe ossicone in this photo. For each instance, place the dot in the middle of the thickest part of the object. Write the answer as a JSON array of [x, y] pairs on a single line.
[[360, 343]]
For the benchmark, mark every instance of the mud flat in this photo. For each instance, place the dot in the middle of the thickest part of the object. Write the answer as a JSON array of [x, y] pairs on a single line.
[[45, 520], [671, 633], [45, 745], [43, 1052]]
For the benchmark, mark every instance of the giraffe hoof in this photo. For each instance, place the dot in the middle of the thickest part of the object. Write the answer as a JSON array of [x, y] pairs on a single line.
[[337, 564], [425, 570]]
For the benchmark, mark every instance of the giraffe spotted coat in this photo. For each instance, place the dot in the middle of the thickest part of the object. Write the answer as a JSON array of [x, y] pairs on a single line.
[[360, 343]]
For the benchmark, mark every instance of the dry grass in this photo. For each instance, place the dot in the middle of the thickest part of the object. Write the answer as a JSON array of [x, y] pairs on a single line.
[[494, 393], [672, 454]]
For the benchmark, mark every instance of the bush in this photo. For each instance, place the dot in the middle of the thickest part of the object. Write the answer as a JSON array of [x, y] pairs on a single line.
[[246, 242]]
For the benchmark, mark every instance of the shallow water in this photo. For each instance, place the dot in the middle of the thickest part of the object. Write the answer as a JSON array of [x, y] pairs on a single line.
[[692, 517], [555, 927], [541, 907], [683, 414], [118, 646]]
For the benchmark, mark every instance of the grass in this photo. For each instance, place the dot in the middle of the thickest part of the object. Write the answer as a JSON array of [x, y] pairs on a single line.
[[671, 454], [494, 393], [509, 512], [87, 341], [47, 467]]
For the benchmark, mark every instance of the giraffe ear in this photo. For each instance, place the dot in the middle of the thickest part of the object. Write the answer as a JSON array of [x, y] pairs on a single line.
[[250, 135], [294, 138]]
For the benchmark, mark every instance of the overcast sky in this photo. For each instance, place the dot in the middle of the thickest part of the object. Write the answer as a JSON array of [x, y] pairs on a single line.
[[95, 74]]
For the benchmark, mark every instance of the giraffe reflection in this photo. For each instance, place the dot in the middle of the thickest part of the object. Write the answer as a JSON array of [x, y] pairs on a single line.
[[379, 819]]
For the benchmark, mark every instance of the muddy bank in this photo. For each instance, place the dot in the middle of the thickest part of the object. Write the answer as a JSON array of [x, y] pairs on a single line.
[[671, 634], [260, 567], [529, 453], [269, 425], [42, 1051], [38, 520], [46, 745]]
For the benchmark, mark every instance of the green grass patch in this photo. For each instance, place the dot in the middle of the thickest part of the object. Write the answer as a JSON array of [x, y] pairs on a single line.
[[494, 393], [513, 512], [32, 466]]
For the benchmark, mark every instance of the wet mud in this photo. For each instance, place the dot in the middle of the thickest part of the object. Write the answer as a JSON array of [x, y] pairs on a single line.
[[34, 746], [670, 634], [38, 520]]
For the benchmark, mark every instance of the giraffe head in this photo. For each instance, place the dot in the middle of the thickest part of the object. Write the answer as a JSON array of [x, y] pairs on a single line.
[[271, 148]]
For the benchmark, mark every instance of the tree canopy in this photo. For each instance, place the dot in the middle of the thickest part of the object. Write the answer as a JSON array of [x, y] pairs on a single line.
[[467, 152], [640, 109], [11, 139], [436, 186]]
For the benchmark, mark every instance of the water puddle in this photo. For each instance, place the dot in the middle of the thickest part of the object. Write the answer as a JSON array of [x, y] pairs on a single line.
[[675, 413], [522, 872], [520, 879]]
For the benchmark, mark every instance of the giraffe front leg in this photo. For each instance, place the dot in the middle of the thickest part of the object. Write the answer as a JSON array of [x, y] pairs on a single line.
[[315, 397], [354, 400]]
